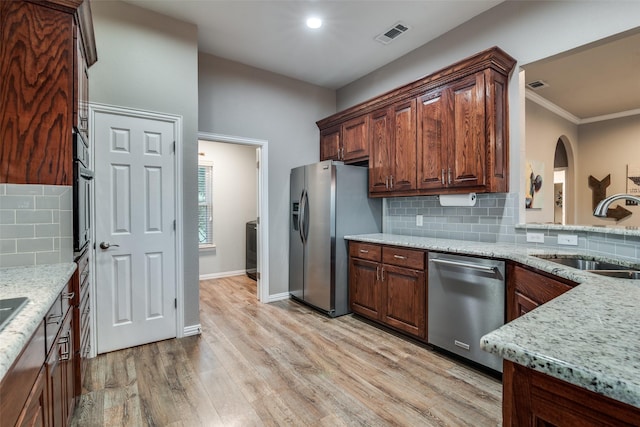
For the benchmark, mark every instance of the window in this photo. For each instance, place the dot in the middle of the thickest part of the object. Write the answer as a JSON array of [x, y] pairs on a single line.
[[205, 204]]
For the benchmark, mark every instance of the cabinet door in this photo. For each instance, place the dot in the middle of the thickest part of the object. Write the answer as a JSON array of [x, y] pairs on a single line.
[[467, 145], [404, 299], [404, 146], [381, 156], [36, 94], [34, 413], [364, 288], [67, 360], [55, 389], [527, 290], [81, 98], [432, 134], [330, 143], [355, 139]]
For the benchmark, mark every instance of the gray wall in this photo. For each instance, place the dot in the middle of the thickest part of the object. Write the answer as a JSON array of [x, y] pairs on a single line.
[[234, 203], [243, 101], [527, 30], [149, 61]]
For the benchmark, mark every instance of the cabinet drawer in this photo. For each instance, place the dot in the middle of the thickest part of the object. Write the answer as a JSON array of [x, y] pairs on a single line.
[[403, 257], [68, 298], [52, 323], [367, 251]]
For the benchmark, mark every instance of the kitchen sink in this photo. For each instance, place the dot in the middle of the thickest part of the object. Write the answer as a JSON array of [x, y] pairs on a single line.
[[602, 268], [9, 307]]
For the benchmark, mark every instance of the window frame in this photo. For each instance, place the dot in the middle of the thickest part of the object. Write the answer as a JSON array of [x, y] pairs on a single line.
[[210, 244]]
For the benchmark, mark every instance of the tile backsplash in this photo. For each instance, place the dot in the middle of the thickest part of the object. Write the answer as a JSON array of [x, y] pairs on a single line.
[[492, 219], [36, 224]]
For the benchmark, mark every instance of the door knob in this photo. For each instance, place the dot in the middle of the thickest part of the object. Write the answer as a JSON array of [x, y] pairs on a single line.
[[106, 245]]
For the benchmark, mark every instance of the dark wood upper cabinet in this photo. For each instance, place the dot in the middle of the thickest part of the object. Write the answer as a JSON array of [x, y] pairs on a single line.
[[392, 161], [348, 142], [330, 143], [445, 133], [355, 139], [38, 87]]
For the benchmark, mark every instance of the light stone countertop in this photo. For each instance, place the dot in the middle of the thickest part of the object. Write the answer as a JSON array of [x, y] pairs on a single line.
[[41, 284], [588, 336]]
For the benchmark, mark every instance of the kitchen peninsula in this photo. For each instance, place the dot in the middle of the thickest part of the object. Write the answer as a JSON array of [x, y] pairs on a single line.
[[587, 337]]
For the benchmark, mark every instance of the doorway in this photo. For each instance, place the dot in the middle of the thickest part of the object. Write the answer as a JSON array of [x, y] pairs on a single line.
[[563, 178], [262, 244]]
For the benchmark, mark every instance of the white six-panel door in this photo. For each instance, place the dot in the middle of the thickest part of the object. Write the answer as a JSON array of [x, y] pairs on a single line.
[[135, 235]]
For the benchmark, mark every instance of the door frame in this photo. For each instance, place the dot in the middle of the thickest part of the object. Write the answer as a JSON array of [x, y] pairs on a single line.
[[176, 120], [263, 203]]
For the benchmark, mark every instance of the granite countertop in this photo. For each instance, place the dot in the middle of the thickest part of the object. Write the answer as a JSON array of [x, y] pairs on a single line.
[[41, 284], [587, 336]]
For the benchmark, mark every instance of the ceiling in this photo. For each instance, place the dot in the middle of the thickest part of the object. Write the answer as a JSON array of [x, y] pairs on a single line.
[[272, 35], [594, 80]]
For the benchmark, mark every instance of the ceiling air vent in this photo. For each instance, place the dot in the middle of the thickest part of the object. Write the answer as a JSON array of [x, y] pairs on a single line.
[[392, 33], [538, 84]]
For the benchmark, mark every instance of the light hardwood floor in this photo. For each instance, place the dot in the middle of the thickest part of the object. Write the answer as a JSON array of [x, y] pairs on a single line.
[[283, 364]]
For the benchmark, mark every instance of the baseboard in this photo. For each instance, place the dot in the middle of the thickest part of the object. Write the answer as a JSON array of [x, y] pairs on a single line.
[[192, 330], [278, 297], [223, 274]]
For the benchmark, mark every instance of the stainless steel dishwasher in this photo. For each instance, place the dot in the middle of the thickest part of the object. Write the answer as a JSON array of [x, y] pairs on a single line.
[[466, 300]]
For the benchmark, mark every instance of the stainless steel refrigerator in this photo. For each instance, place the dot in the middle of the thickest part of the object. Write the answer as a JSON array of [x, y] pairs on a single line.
[[328, 201]]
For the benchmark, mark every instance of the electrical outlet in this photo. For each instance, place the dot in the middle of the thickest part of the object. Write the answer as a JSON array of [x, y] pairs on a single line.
[[419, 220], [535, 237], [568, 239]]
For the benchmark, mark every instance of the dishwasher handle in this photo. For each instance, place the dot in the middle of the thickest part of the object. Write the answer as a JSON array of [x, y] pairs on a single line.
[[487, 268]]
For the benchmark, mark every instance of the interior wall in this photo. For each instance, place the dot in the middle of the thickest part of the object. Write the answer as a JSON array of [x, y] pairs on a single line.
[[234, 204], [607, 147], [528, 30], [149, 61], [239, 100], [543, 129]]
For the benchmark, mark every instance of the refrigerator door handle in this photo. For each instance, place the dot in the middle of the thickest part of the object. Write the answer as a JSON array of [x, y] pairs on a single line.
[[301, 215], [305, 216]]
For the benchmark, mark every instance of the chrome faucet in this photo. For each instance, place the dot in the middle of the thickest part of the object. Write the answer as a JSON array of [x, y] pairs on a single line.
[[602, 208]]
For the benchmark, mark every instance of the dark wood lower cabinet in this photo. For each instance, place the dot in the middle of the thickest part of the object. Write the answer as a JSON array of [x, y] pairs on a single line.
[[40, 388], [388, 285], [365, 288], [534, 399], [61, 376], [34, 413], [404, 299], [528, 289]]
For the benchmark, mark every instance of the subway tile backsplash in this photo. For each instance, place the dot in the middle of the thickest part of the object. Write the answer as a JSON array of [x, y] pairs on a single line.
[[35, 224], [491, 220]]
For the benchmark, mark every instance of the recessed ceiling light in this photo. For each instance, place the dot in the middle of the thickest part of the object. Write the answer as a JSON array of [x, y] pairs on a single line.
[[314, 23]]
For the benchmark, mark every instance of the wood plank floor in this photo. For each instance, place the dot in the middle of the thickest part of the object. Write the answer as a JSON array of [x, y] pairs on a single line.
[[282, 364]]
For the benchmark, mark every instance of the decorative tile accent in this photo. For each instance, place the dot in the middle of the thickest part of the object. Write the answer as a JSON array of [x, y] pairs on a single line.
[[36, 224]]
